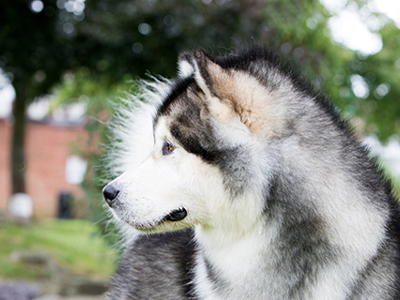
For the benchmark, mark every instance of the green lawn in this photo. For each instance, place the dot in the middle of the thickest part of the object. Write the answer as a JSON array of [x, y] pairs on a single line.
[[74, 245]]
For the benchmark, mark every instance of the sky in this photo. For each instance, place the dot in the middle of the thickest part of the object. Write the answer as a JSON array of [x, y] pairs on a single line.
[[354, 28]]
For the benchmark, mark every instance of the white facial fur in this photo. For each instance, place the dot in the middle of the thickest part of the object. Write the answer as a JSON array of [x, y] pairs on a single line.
[[164, 183]]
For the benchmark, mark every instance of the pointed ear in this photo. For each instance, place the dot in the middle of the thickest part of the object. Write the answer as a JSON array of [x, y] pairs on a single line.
[[208, 75], [234, 93], [186, 64], [198, 64]]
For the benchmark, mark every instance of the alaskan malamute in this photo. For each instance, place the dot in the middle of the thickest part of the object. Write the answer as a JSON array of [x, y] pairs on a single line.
[[246, 184]]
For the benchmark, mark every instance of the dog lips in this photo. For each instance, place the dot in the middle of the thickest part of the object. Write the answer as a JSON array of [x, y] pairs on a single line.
[[176, 215]]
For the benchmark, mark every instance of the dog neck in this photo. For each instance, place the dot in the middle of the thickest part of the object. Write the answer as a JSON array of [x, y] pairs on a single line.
[[228, 259]]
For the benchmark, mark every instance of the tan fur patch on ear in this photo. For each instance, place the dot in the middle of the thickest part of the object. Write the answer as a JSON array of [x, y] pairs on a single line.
[[223, 109], [257, 108]]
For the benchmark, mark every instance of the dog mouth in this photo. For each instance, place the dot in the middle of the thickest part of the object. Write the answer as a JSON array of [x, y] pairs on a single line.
[[174, 216]]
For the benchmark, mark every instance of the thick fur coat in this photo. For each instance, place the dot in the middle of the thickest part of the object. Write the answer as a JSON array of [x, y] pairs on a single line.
[[246, 184]]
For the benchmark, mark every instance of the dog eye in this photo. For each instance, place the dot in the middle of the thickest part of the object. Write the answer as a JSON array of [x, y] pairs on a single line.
[[168, 148]]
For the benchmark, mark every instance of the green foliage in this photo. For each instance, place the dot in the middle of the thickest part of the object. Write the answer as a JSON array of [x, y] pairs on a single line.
[[381, 111], [34, 52], [74, 245], [98, 92]]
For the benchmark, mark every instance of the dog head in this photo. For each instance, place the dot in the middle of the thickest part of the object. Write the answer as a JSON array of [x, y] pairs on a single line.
[[203, 159]]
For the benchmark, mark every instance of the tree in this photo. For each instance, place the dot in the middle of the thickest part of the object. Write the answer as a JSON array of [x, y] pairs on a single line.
[[38, 46], [34, 53]]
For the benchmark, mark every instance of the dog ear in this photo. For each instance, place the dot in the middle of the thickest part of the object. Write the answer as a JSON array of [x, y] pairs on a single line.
[[207, 73], [208, 76], [232, 94], [196, 64]]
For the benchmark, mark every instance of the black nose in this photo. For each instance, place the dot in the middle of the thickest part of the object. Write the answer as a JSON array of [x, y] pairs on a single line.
[[110, 193]]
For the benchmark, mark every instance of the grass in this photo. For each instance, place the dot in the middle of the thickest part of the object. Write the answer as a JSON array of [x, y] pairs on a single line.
[[74, 245]]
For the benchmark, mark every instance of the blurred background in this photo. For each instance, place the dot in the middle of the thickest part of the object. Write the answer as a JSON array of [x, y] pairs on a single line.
[[63, 63]]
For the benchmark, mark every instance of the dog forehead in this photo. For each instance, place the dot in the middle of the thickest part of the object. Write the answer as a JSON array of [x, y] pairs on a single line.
[[180, 93], [185, 116], [186, 111], [161, 127], [183, 124]]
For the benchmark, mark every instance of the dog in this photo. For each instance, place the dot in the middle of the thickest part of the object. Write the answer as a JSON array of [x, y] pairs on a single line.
[[244, 183]]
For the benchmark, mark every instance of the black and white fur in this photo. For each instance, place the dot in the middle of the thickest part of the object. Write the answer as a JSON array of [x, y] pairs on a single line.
[[248, 185]]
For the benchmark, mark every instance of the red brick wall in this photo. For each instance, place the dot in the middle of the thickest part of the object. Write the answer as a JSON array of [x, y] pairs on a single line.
[[47, 149], [5, 177]]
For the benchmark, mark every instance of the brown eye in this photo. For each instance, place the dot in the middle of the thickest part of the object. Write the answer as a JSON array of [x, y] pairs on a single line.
[[168, 148]]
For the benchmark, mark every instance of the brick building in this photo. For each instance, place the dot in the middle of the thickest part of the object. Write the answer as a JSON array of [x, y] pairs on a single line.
[[48, 147]]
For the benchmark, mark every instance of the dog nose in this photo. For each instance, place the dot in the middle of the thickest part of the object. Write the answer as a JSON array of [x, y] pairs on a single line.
[[110, 193]]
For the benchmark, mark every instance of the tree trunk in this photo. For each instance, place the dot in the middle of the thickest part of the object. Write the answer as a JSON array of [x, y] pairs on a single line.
[[18, 161]]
